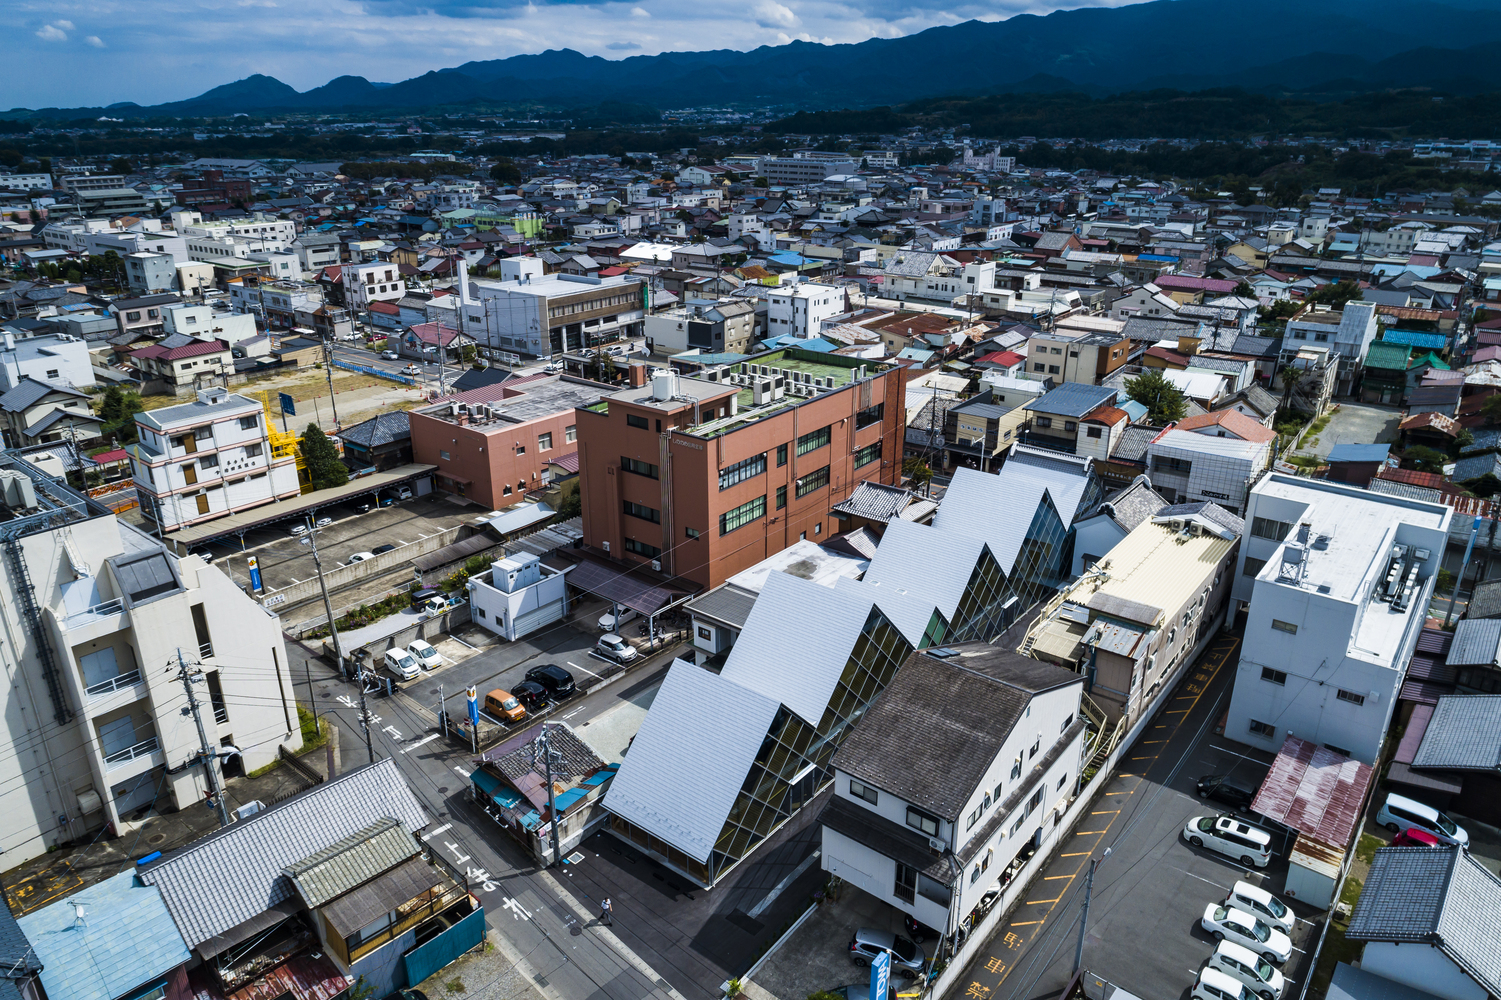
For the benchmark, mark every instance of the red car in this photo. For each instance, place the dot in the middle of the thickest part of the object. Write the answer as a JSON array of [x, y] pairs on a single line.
[[1416, 838]]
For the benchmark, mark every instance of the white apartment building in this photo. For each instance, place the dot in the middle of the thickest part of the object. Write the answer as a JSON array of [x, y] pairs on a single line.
[[207, 323], [95, 714], [96, 237], [1350, 331], [518, 596], [1187, 467], [264, 232], [208, 458], [530, 313], [929, 826], [55, 358], [800, 309], [26, 182], [1338, 581], [276, 303], [377, 281]]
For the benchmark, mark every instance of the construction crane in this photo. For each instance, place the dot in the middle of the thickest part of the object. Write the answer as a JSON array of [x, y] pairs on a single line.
[[284, 443]]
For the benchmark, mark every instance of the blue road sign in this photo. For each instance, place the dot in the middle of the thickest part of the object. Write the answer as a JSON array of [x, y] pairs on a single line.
[[287, 405], [880, 976], [255, 573]]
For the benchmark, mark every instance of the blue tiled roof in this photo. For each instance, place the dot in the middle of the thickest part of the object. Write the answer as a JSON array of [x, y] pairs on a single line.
[[1416, 338], [1359, 452], [1483, 439], [1476, 466], [127, 938]]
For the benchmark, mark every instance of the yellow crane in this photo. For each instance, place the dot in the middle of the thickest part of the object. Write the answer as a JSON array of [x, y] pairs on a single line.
[[284, 443]]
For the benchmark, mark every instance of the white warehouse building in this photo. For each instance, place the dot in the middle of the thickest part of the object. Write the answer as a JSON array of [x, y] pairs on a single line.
[[520, 596], [1338, 581]]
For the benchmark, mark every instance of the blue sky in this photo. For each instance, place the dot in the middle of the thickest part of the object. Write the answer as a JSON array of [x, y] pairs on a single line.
[[66, 53]]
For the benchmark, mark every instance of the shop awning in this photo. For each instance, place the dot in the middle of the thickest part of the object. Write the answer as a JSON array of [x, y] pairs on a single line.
[[623, 586]]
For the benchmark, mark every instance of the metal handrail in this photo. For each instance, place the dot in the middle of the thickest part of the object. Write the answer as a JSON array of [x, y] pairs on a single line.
[[113, 684], [141, 749], [114, 607]]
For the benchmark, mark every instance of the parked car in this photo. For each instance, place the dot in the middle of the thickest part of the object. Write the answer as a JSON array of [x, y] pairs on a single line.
[[421, 597], [390, 356], [1413, 837], [1221, 788], [501, 704], [364, 506], [613, 647], [411, 370], [552, 369], [1239, 962], [611, 621], [323, 522], [1400, 813], [1215, 985], [299, 529], [402, 664], [554, 679], [404, 493], [1262, 905], [1227, 923], [532, 695], [382, 548], [1232, 836], [907, 959], [360, 557], [426, 655]]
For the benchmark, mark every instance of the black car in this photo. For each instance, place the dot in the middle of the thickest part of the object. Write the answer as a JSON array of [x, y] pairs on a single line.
[[363, 507], [557, 681], [1220, 788], [381, 548], [533, 697]]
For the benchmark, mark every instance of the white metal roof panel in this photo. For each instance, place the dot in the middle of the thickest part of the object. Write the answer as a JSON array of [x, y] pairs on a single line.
[[690, 757], [998, 508], [920, 559]]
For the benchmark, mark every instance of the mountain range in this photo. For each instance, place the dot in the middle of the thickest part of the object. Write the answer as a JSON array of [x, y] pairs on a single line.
[[1321, 48]]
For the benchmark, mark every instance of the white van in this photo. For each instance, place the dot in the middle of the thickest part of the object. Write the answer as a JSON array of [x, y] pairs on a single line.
[[402, 664], [1239, 962], [1229, 834], [1215, 985], [1400, 813]]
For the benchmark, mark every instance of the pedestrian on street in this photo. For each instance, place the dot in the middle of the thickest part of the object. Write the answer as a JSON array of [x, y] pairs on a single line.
[[604, 912]]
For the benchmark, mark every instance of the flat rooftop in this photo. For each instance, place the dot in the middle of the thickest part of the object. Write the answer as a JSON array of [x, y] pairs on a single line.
[[529, 401], [1350, 540], [552, 285]]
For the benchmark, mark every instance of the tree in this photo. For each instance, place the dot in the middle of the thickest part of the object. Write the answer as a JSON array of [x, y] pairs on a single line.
[[572, 504], [1484, 486], [1164, 401], [117, 409], [1281, 309], [120, 165], [1244, 290], [505, 171], [917, 471], [1292, 377], [1335, 295], [322, 458], [1426, 459]]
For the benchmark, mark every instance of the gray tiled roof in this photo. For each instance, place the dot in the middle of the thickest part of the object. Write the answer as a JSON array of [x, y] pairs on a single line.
[[1437, 896], [227, 877], [1485, 602], [1464, 734], [356, 859], [875, 501], [379, 430], [1209, 509], [1072, 399], [29, 391], [1475, 643], [1260, 347], [1134, 504], [1132, 447], [932, 735]]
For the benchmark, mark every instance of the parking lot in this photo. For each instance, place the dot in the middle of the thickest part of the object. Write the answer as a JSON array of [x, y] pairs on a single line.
[[285, 560], [1144, 931]]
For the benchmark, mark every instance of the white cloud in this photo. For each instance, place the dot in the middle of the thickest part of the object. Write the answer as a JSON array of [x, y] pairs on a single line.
[[95, 41], [640, 12], [65, 25], [770, 14], [51, 33]]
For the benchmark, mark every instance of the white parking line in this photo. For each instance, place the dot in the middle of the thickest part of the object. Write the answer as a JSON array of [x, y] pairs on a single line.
[[771, 897], [584, 669], [1200, 878], [1234, 754], [461, 770], [442, 829], [576, 711]]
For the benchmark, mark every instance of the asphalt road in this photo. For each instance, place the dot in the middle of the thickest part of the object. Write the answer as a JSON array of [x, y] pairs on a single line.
[[1149, 895], [555, 942]]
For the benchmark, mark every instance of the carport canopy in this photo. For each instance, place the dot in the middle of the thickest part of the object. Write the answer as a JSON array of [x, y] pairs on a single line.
[[625, 587], [236, 524]]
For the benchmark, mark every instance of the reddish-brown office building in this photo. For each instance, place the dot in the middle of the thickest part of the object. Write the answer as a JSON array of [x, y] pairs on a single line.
[[495, 443], [708, 476]]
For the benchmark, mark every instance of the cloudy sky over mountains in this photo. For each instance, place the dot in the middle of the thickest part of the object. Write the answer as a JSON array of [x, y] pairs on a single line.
[[74, 54]]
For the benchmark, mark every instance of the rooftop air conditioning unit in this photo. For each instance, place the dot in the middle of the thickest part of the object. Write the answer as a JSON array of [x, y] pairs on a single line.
[[937, 844]]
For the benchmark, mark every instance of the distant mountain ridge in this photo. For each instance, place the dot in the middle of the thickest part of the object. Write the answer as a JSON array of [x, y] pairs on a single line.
[[1339, 45]]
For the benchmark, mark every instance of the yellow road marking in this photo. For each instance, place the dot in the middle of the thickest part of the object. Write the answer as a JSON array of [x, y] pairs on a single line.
[[1088, 833], [1076, 854], [1025, 923], [1051, 878], [1105, 812], [1033, 902]]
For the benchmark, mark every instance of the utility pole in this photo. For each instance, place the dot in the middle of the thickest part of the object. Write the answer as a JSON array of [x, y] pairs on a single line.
[[206, 753], [1084, 917], [333, 631], [328, 369], [552, 808]]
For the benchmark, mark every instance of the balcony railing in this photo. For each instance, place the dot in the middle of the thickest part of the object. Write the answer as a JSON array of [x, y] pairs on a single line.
[[113, 684], [78, 619], [142, 749]]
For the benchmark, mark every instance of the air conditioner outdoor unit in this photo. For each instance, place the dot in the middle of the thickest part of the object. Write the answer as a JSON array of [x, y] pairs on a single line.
[[937, 844], [606, 545], [656, 564]]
